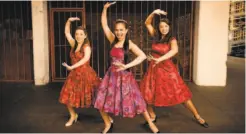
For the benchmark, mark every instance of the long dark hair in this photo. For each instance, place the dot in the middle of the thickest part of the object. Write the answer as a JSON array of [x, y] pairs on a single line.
[[125, 45], [86, 40], [169, 34]]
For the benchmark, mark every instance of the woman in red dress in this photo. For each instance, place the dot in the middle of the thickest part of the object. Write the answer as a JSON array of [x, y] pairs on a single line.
[[162, 85], [79, 86]]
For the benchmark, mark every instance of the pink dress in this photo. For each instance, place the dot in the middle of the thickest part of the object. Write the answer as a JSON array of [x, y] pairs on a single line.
[[119, 92]]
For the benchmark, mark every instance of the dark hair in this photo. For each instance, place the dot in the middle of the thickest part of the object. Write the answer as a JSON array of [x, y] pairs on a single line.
[[125, 45], [86, 41], [169, 34]]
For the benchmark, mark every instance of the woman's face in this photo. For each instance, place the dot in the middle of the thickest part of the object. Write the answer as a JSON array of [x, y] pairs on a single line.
[[120, 31], [80, 36], [164, 28]]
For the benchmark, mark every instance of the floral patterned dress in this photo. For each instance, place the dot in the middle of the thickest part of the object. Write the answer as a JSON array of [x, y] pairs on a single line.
[[79, 87], [162, 85], [119, 92]]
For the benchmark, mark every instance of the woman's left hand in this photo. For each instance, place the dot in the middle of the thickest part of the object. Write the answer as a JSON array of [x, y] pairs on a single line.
[[156, 60], [67, 66], [120, 66]]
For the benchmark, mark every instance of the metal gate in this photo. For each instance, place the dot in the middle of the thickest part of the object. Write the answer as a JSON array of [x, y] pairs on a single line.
[[135, 12], [60, 47], [16, 45]]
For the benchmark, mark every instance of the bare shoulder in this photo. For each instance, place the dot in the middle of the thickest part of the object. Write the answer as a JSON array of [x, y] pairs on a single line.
[[131, 44], [86, 46], [173, 40]]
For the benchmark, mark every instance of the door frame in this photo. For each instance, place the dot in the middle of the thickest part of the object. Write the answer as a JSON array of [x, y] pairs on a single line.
[[52, 36]]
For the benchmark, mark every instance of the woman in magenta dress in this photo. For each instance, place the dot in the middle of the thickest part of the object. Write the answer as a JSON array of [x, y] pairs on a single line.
[[79, 86], [118, 92], [162, 85]]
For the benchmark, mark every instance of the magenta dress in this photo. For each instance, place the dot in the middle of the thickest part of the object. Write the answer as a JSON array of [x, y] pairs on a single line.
[[119, 92]]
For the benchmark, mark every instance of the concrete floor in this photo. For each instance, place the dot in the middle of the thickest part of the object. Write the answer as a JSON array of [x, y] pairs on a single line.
[[26, 108]]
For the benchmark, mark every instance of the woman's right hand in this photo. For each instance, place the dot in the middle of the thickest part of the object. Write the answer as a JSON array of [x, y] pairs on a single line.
[[73, 19], [159, 12], [107, 5], [149, 57]]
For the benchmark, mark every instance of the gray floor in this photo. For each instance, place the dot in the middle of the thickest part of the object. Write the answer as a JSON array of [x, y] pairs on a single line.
[[26, 108]]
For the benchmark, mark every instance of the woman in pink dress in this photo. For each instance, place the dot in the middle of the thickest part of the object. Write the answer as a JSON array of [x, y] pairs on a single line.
[[118, 92]]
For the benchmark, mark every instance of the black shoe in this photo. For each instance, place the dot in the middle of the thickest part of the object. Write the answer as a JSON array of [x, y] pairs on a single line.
[[112, 123], [146, 123], [205, 124], [110, 129]]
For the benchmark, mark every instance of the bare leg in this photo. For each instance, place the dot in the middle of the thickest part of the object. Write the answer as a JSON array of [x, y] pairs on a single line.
[[110, 119], [73, 116], [106, 120], [151, 112], [188, 104], [151, 124]]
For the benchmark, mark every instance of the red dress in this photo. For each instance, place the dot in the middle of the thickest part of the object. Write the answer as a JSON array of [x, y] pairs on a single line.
[[79, 87], [162, 85]]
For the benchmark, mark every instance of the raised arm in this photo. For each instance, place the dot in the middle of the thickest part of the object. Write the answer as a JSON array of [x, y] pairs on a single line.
[[110, 36], [67, 31], [148, 21]]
